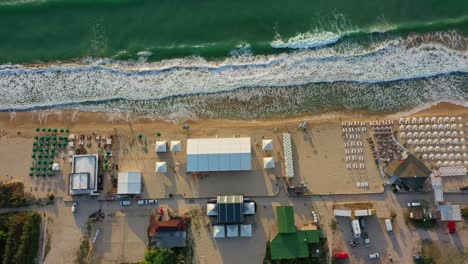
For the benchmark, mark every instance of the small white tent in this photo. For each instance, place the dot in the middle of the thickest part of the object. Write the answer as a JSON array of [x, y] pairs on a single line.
[[268, 163], [161, 167], [176, 146], [161, 146], [219, 231], [246, 230], [267, 144]]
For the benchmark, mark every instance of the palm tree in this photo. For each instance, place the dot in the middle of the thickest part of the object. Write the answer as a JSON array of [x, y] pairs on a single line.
[[61, 130], [158, 134], [49, 130], [140, 136], [36, 137], [44, 130], [55, 130], [31, 169], [108, 153], [51, 162], [31, 174], [35, 144], [67, 130], [51, 174], [38, 129], [38, 174], [33, 156], [186, 127]]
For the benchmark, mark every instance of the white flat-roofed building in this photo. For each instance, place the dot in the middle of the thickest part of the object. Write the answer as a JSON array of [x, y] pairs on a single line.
[[161, 146], [83, 179], [129, 182], [288, 155], [219, 154]]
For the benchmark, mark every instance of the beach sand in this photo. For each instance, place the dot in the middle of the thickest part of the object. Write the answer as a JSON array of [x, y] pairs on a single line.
[[318, 154]]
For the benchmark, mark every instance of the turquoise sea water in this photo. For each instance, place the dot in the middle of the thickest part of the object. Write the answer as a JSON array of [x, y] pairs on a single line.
[[86, 54]]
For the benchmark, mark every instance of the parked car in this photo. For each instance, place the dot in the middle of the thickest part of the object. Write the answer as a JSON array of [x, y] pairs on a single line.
[[125, 203], [417, 257], [341, 255], [152, 201], [366, 240], [413, 204], [362, 222], [74, 207], [374, 256], [142, 202], [451, 227], [465, 188]]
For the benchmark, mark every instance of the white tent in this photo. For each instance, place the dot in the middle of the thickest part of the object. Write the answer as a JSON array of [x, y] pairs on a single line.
[[161, 167], [232, 230], [420, 120], [246, 231], [268, 163], [129, 183], [267, 144], [219, 231], [211, 209], [161, 146], [249, 208], [427, 120], [55, 166], [433, 119], [219, 154], [176, 146]]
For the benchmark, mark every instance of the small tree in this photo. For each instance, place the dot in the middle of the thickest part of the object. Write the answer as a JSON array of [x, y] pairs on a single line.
[[158, 134], [140, 136]]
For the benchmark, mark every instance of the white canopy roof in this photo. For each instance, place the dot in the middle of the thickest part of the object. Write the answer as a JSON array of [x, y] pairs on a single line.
[[211, 209], [267, 144], [219, 154], [129, 183], [249, 208], [246, 230], [219, 231], [268, 163], [56, 166], [176, 146], [161, 146], [232, 230], [161, 167]]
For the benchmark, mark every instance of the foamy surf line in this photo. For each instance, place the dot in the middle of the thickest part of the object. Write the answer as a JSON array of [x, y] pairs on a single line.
[[28, 88]]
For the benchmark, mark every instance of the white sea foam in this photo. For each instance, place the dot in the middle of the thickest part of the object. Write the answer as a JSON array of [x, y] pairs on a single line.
[[307, 40], [97, 80]]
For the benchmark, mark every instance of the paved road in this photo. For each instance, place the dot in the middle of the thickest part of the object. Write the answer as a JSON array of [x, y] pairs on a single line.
[[88, 206]]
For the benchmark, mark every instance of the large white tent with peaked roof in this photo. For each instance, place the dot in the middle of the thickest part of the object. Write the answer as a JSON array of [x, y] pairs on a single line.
[[219, 154]]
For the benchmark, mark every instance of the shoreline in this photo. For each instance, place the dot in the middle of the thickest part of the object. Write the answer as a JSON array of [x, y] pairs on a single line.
[[70, 117]]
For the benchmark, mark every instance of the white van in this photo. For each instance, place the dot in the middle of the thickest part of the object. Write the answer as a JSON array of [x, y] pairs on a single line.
[[388, 225], [125, 203], [374, 256], [413, 204]]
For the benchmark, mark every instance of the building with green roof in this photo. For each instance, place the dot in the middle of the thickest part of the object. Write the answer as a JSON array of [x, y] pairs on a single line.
[[291, 243], [285, 218]]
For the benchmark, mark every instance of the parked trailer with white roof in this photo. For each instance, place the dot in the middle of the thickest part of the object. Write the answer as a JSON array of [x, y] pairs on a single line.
[[356, 228]]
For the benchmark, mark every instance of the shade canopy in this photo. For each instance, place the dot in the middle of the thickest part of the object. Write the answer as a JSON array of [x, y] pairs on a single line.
[[129, 182], [176, 146], [161, 146], [161, 167], [218, 154], [246, 230], [268, 163], [232, 230], [267, 144], [56, 166], [219, 231]]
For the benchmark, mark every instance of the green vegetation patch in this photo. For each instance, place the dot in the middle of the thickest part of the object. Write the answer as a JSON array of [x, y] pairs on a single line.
[[12, 195], [19, 237]]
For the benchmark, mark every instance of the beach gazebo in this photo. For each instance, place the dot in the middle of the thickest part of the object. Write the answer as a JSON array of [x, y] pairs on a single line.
[[267, 144], [161, 146], [161, 167], [176, 146], [55, 166], [268, 163]]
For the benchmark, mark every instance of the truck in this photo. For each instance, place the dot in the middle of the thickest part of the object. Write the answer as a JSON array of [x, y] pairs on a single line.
[[388, 225], [356, 228], [339, 212], [413, 204], [364, 212]]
